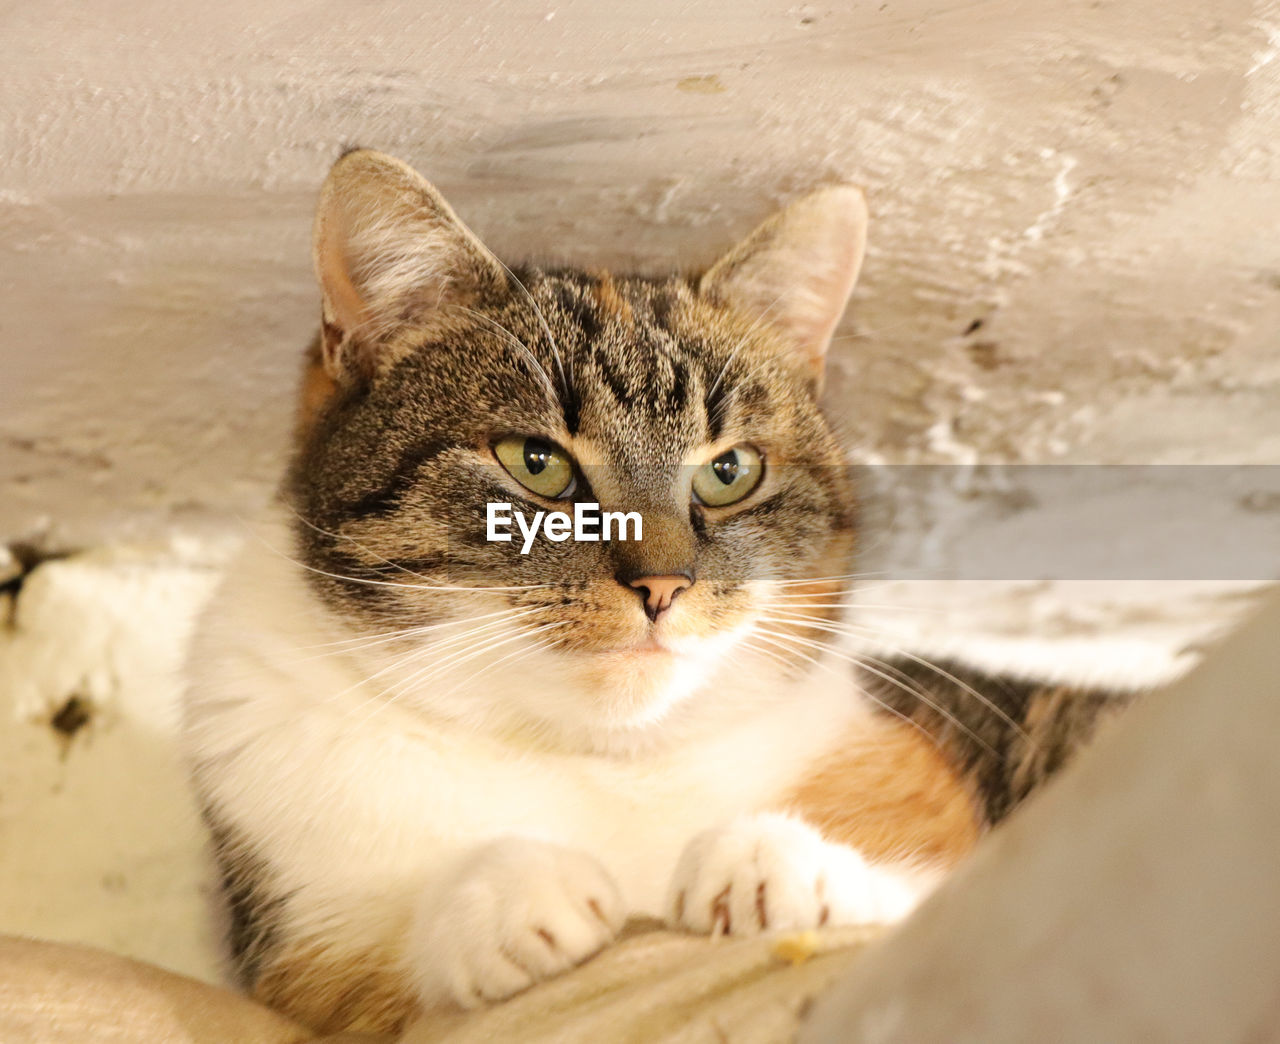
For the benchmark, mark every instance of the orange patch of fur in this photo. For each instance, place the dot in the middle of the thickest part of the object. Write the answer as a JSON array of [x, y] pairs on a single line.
[[891, 796], [317, 389], [610, 301], [328, 992]]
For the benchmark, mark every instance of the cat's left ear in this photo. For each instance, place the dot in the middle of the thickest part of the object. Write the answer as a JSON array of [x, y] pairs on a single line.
[[797, 270], [386, 248]]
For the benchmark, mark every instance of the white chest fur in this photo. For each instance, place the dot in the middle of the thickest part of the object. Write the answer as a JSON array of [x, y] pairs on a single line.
[[346, 793]]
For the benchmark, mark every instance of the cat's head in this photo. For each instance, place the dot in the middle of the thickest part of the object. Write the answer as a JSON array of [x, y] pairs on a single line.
[[442, 383]]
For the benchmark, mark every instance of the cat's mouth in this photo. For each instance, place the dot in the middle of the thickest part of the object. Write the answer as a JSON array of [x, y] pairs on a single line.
[[649, 647], [652, 653]]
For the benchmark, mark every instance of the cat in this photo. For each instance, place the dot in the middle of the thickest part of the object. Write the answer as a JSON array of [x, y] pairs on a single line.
[[437, 770]]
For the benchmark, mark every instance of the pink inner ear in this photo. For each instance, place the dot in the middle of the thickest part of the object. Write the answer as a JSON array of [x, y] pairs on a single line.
[[344, 310], [836, 227], [387, 245], [343, 304], [813, 322]]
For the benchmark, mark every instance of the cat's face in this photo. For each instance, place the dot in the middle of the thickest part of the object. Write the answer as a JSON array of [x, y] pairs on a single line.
[[444, 384]]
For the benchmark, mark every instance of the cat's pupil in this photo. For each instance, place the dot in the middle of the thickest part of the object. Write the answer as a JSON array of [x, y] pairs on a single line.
[[725, 467], [536, 457]]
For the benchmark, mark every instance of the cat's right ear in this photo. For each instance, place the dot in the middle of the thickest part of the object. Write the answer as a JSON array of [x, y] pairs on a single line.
[[387, 248], [796, 271]]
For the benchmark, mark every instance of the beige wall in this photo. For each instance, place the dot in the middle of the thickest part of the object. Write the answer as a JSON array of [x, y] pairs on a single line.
[[1099, 183]]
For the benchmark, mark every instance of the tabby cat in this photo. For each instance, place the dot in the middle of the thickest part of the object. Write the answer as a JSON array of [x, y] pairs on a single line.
[[437, 769]]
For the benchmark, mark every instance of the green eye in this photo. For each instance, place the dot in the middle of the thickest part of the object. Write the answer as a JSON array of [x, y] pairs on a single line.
[[537, 465], [728, 478]]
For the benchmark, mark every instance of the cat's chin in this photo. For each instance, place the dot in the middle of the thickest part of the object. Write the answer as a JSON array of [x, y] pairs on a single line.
[[628, 688], [625, 698], [641, 655]]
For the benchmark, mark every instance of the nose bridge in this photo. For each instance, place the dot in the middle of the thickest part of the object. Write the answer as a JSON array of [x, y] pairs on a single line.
[[653, 488], [660, 565], [630, 481], [665, 548]]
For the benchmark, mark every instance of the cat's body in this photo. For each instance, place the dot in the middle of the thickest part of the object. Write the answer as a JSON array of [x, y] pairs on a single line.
[[437, 770], [366, 805]]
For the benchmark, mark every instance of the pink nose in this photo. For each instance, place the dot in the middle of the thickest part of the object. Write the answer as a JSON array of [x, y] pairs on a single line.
[[660, 591]]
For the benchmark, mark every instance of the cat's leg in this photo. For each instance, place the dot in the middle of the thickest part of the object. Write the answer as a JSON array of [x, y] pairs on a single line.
[[356, 904], [858, 839], [505, 915], [882, 801], [510, 913], [773, 871]]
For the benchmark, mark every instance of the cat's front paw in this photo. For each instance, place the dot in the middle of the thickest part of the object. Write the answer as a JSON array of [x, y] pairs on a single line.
[[515, 912], [772, 872]]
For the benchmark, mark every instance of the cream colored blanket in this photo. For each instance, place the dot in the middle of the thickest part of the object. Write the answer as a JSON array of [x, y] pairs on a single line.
[[654, 986]]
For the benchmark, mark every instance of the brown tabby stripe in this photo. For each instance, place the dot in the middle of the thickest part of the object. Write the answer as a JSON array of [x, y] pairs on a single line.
[[1003, 760], [255, 910]]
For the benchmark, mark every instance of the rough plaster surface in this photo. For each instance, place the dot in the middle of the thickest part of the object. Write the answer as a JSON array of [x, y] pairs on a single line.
[[1098, 183]]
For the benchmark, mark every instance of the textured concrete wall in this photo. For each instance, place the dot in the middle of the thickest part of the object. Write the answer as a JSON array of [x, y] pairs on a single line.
[[1074, 253]]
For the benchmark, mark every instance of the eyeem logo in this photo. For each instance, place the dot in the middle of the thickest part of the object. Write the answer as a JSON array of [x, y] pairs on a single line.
[[587, 524]]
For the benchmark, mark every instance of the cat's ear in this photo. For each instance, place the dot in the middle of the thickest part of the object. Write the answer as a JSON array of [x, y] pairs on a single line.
[[797, 270], [387, 247]]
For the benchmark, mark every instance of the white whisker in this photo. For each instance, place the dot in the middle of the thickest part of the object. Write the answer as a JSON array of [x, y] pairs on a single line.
[[780, 641], [536, 647], [758, 322], [917, 692], [866, 633], [798, 601], [424, 676], [555, 348], [470, 635], [826, 579], [373, 641], [455, 588], [524, 349]]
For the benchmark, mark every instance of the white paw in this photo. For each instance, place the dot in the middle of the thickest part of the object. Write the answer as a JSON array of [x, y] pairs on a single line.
[[771, 872], [513, 913]]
